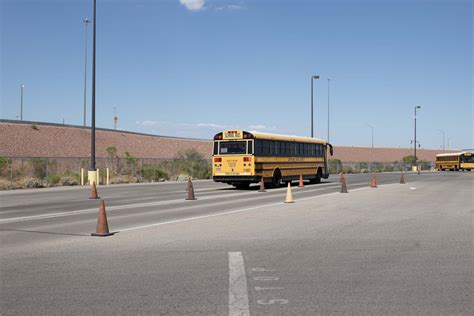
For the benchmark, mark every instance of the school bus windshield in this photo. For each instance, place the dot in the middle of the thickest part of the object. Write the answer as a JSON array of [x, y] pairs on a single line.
[[238, 147]]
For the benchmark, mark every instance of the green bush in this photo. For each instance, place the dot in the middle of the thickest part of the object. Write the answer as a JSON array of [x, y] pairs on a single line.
[[4, 164], [192, 163], [39, 167], [53, 179], [75, 175], [409, 159], [69, 181], [388, 168], [347, 170], [153, 173], [335, 166]]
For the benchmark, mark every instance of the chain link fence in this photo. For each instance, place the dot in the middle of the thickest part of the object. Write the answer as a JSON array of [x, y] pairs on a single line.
[[23, 172], [336, 166]]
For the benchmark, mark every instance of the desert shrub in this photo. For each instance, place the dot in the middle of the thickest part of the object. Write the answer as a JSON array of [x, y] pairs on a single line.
[[32, 183], [74, 175], [53, 179], [5, 185], [153, 173], [388, 168], [67, 180], [376, 167], [39, 167], [131, 162], [192, 163], [4, 165], [425, 165], [113, 161], [347, 170], [123, 179], [409, 159], [170, 167], [335, 166]]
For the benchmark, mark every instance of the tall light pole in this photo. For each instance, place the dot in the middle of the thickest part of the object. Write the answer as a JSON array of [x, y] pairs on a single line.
[[442, 132], [86, 22], [92, 170], [414, 143], [329, 81], [21, 101], [312, 77], [372, 133]]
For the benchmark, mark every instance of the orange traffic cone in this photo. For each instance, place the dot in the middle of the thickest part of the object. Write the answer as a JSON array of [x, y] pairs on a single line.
[[343, 185], [402, 179], [94, 194], [102, 229], [262, 186], [301, 185], [374, 182], [289, 196], [188, 184], [190, 190]]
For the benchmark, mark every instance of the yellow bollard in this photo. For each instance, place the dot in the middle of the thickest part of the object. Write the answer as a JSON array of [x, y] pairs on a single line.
[[98, 177], [108, 176], [82, 176]]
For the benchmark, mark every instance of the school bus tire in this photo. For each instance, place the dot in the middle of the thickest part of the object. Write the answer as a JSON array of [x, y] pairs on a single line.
[[319, 175], [276, 179]]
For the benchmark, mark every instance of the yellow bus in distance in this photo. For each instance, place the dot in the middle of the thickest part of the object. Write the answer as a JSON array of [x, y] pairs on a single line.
[[241, 158], [455, 161]]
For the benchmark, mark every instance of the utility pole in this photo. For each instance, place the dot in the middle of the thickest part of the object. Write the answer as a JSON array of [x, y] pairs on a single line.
[[86, 22], [415, 158], [329, 81], [92, 170]]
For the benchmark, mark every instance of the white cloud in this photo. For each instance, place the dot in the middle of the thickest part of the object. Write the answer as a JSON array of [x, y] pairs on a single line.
[[262, 127], [211, 125], [229, 7], [147, 123], [193, 5]]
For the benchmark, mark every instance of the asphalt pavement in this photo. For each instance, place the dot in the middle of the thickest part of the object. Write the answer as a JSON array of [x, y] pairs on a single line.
[[396, 249]]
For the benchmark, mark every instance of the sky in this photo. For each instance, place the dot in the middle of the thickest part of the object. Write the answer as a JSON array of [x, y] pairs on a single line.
[[192, 68]]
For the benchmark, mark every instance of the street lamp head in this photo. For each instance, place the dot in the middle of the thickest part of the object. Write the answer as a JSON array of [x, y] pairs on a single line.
[[22, 85], [86, 21], [315, 77], [418, 107]]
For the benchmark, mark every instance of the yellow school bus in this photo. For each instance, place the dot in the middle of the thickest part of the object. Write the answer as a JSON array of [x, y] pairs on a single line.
[[241, 158], [455, 161]]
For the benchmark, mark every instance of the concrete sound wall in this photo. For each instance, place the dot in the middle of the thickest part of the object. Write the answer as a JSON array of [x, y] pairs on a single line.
[[34, 139]]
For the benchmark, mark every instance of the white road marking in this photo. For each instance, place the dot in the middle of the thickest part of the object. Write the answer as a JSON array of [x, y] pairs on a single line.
[[138, 205], [266, 278], [235, 211], [238, 295], [262, 270], [271, 302], [259, 288]]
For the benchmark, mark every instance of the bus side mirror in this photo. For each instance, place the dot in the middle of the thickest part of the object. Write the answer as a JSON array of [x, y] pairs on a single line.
[[331, 151]]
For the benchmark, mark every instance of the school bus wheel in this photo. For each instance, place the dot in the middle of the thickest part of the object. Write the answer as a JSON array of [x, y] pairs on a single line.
[[276, 179], [319, 175]]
